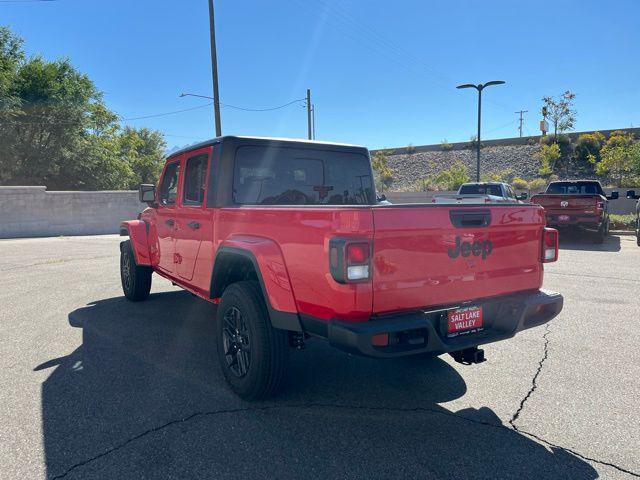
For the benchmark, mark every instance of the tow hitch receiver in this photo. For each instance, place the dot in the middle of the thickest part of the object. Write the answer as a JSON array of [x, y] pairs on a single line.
[[469, 356]]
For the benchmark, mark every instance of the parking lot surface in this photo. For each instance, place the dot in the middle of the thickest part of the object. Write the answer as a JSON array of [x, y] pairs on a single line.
[[94, 386]]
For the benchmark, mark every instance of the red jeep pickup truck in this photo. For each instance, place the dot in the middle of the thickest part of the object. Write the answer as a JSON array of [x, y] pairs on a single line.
[[287, 238], [579, 204]]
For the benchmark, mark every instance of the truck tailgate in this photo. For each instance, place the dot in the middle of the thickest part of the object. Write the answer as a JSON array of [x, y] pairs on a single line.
[[573, 203], [431, 255]]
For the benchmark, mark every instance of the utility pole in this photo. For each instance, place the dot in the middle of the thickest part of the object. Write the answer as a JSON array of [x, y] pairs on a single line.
[[214, 71], [521, 112], [309, 128]]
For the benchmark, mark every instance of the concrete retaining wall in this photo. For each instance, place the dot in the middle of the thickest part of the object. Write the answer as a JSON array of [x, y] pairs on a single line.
[[34, 212]]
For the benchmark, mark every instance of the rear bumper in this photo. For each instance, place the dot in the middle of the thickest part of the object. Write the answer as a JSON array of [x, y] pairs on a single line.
[[426, 331], [590, 223]]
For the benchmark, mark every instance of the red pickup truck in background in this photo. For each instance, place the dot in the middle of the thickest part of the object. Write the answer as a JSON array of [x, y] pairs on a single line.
[[286, 237], [579, 204]]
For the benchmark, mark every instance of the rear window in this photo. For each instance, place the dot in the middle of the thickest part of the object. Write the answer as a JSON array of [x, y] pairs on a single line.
[[574, 188], [291, 176], [481, 190]]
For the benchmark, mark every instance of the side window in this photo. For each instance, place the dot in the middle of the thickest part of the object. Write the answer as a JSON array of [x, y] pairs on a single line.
[[511, 192], [194, 175], [169, 187]]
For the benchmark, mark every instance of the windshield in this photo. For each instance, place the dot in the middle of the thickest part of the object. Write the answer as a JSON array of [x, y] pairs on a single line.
[[575, 188], [481, 190]]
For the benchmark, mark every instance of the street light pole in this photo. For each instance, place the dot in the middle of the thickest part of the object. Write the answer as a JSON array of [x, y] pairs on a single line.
[[478, 139], [309, 107], [214, 71], [479, 88]]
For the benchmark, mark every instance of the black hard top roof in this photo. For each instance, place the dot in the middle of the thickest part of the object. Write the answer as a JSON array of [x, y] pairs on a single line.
[[261, 140]]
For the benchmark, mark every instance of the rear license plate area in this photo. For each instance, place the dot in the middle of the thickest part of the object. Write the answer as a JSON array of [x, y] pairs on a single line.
[[464, 321], [563, 218]]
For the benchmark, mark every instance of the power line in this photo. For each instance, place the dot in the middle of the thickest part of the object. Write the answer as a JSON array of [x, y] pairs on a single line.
[[501, 127], [266, 109], [164, 114], [370, 37]]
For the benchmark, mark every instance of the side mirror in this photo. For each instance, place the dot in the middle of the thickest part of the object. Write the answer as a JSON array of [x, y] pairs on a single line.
[[632, 195], [147, 194], [613, 196], [522, 196], [382, 197]]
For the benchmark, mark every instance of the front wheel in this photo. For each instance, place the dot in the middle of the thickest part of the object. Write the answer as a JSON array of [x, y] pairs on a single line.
[[136, 279], [252, 354]]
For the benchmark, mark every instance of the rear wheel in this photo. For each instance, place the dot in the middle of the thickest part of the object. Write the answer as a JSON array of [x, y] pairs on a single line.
[[601, 234], [638, 230], [136, 279], [252, 354]]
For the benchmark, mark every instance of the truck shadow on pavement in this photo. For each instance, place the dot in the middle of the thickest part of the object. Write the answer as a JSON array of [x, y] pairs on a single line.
[[143, 397], [580, 241]]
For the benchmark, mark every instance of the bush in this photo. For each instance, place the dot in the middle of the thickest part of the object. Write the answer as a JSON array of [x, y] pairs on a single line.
[[519, 183], [538, 185], [549, 156], [410, 149], [587, 151], [560, 163], [449, 179], [620, 158], [505, 175], [446, 146], [382, 172], [622, 222]]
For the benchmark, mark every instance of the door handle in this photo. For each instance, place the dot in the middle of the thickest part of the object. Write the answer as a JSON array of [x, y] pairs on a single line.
[[169, 222], [193, 225]]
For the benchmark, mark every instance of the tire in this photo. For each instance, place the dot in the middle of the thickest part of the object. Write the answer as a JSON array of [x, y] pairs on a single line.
[[136, 279], [638, 231], [600, 235], [253, 355]]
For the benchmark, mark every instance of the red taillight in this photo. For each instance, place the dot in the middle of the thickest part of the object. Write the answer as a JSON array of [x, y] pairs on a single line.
[[550, 246], [357, 253], [349, 260]]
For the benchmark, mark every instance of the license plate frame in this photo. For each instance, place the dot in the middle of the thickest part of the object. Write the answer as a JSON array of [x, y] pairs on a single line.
[[564, 218], [465, 320]]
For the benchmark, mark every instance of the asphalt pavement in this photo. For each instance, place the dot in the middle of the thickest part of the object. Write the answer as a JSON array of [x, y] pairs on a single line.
[[96, 387]]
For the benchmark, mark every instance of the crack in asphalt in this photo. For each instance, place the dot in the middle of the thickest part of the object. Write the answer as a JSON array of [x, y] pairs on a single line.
[[534, 381], [534, 386], [330, 405]]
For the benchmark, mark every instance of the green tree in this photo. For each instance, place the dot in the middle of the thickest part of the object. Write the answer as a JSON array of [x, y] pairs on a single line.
[[620, 157], [559, 110], [55, 129], [143, 150]]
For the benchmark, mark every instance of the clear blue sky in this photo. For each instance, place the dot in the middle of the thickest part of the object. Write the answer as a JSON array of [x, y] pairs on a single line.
[[382, 73]]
